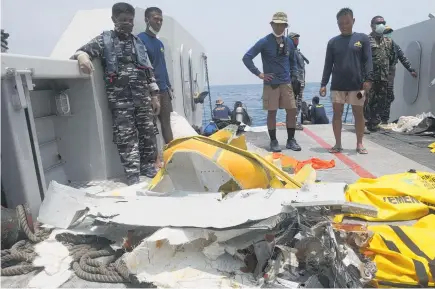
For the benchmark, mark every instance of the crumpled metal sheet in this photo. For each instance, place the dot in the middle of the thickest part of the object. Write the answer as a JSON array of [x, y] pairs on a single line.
[[63, 206]]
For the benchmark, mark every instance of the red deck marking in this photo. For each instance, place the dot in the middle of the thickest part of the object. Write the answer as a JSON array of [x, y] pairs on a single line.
[[360, 171]]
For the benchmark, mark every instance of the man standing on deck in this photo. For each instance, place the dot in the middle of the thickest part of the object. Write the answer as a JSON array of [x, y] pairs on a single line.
[[349, 59], [382, 58], [156, 53], [398, 55], [299, 83], [131, 89], [279, 68]]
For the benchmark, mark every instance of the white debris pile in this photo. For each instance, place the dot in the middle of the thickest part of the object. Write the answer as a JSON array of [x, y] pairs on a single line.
[[408, 123], [188, 239]]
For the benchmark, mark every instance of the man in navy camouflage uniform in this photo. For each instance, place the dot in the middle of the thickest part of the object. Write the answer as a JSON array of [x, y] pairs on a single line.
[[131, 89], [298, 83], [383, 56], [398, 55], [5, 37]]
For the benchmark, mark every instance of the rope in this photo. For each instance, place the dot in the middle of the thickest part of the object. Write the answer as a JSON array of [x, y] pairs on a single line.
[[208, 85], [18, 260], [85, 249]]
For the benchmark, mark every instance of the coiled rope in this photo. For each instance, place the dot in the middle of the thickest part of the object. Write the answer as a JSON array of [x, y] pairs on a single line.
[[18, 260], [83, 249]]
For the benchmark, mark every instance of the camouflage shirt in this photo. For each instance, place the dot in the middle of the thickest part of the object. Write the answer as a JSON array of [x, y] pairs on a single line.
[[399, 55], [382, 55], [301, 65], [132, 85]]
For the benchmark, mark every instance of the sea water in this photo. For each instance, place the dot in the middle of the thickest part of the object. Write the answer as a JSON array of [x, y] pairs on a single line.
[[250, 95]]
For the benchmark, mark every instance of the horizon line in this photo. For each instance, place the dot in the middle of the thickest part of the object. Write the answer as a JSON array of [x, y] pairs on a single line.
[[240, 84]]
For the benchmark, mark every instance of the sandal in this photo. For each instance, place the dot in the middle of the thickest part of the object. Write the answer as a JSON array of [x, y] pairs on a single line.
[[362, 151], [335, 150]]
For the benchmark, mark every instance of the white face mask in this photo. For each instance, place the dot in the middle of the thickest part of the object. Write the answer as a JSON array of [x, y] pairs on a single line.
[[380, 28], [151, 29], [278, 35]]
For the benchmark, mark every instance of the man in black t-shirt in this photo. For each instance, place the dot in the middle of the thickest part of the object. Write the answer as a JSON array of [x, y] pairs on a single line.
[[351, 57]]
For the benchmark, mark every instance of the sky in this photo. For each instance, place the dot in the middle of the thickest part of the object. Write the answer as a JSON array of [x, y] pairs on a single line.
[[225, 28]]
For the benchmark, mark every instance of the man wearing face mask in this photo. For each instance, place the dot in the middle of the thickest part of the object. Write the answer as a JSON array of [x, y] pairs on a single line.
[[156, 52], [299, 83], [383, 57], [131, 90], [398, 55], [279, 68]]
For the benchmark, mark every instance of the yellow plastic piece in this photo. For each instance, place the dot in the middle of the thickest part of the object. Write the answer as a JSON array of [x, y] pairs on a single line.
[[306, 175], [404, 261], [250, 170], [399, 197]]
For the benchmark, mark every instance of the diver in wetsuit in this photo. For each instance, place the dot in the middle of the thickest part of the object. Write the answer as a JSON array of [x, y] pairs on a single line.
[[318, 113], [246, 119]]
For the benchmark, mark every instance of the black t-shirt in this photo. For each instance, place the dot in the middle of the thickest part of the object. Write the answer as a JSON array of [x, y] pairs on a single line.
[[349, 59]]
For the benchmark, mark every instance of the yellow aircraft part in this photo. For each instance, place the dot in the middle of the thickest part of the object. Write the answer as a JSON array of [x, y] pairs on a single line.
[[404, 255], [398, 197], [249, 169]]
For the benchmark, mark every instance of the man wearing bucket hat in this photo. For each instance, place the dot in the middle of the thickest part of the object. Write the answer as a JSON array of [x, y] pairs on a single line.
[[398, 55], [221, 111], [299, 83], [279, 68]]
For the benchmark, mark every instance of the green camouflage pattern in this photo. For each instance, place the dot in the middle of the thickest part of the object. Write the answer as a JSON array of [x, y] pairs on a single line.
[[376, 103], [383, 56]]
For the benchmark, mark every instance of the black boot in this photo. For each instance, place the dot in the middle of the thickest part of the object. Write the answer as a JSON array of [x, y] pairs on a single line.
[[293, 145], [274, 146]]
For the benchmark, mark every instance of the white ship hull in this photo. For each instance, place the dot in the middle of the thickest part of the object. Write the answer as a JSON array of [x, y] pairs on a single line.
[[39, 145], [414, 96]]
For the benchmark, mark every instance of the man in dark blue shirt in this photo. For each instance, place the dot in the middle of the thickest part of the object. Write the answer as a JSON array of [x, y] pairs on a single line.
[[349, 59], [221, 111], [279, 66], [156, 53]]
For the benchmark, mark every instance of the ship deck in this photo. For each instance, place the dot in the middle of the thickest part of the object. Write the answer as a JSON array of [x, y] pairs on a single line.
[[388, 152]]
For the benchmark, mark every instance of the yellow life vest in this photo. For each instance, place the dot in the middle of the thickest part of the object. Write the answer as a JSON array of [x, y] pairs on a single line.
[[404, 255], [398, 197]]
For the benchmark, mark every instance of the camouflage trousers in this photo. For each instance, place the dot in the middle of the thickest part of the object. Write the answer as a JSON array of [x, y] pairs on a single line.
[[134, 133], [298, 91], [385, 114], [376, 103]]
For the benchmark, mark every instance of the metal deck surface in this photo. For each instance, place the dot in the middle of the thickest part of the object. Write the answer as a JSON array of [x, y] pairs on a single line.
[[384, 157]]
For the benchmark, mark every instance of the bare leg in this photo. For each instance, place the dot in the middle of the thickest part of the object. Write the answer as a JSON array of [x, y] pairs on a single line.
[[290, 117], [337, 122], [165, 116], [358, 113]]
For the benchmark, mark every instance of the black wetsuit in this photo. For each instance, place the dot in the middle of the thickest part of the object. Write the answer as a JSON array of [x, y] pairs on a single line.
[[318, 114]]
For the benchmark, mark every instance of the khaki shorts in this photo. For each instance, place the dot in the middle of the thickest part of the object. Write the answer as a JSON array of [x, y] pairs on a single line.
[[349, 97], [279, 97]]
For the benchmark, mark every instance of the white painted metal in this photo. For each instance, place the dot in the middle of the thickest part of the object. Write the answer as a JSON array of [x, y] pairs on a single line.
[[179, 45], [423, 33]]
